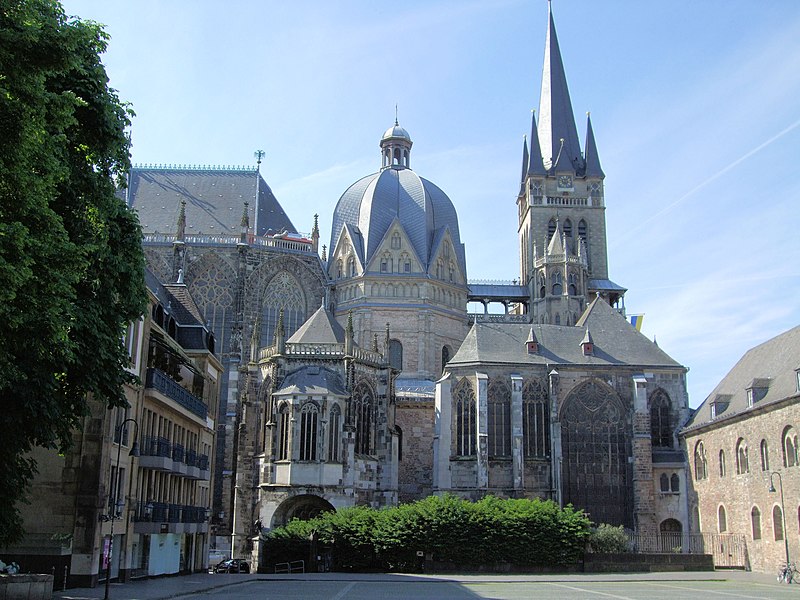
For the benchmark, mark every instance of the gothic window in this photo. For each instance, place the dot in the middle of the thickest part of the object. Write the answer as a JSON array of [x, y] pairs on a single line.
[[755, 522], [568, 228], [542, 288], [451, 269], [722, 519], [445, 356], [675, 483], [339, 269], [447, 251], [700, 471], [351, 267], [556, 283], [582, 229], [596, 444], [660, 420], [789, 444], [309, 416], [386, 264], [535, 419], [499, 419], [363, 401], [334, 433], [722, 463], [551, 229], [777, 523], [396, 354], [465, 418], [573, 284], [439, 269], [284, 292], [558, 319], [283, 432], [742, 463], [764, 456], [396, 241], [664, 482]]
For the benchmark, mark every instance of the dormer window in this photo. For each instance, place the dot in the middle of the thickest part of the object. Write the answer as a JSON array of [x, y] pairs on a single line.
[[587, 344], [532, 343]]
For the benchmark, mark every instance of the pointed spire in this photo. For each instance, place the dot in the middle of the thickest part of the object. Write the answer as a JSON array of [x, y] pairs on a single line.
[[556, 120], [524, 177], [556, 245], [255, 339], [535, 162], [386, 340], [348, 334], [245, 223], [324, 252], [593, 168], [315, 234], [280, 334], [375, 342], [181, 236]]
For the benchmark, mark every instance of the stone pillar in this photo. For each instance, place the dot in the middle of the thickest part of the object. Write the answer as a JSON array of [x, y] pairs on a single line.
[[517, 457], [643, 500], [482, 426], [442, 434], [555, 440]]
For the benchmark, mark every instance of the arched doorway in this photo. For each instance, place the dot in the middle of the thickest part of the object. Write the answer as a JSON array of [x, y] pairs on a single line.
[[595, 445], [671, 532], [303, 507]]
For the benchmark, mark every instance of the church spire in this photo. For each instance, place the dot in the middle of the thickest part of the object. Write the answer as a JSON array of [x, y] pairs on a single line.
[[556, 120], [535, 162], [524, 177], [593, 168]]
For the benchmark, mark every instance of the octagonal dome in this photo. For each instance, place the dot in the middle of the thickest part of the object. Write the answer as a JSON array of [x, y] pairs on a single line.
[[396, 132]]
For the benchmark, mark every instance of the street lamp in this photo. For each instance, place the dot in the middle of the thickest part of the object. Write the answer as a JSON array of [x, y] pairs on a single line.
[[115, 505], [783, 511]]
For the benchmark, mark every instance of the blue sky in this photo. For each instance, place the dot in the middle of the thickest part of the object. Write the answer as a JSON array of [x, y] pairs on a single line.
[[695, 108]]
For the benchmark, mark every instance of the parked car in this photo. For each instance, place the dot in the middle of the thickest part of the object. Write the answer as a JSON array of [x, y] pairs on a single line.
[[232, 565]]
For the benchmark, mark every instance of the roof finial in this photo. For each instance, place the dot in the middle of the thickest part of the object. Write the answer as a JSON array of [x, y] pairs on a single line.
[[396, 123]]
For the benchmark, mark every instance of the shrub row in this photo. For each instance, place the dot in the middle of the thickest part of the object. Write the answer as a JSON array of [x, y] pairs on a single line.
[[487, 532]]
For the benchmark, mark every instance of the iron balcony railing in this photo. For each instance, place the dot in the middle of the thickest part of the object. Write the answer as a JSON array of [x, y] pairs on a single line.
[[159, 446], [162, 512], [161, 382], [178, 453], [156, 446]]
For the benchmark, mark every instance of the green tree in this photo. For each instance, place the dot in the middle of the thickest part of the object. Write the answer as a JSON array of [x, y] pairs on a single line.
[[71, 262]]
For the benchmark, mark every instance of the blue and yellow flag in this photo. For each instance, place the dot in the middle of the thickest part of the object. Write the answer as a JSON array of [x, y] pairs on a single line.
[[636, 321]]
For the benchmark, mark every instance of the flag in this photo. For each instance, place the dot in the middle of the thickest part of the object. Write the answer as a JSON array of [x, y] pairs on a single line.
[[636, 321]]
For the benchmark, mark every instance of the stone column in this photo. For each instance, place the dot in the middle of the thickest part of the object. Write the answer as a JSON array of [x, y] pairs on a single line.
[[517, 457], [482, 417], [643, 500], [442, 434], [555, 440]]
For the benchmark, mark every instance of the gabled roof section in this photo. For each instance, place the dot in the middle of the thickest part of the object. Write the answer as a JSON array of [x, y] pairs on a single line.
[[556, 120], [320, 328], [214, 200], [772, 365], [440, 235], [593, 168], [385, 243], [312, 380]]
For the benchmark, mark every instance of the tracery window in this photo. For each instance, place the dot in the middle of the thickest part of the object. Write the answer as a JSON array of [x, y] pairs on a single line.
[[573, 284], [465, 418], [764, 456], [568, 228], [722, 463], [700, 471], [661, 419], [499, 419], [284, 426], [777, 523], [364, 407], [334, 433], [742, 463], [755, 522], [395, 241], [556, 283], [309, 416], [396, 354], [789, 443], [582, 229], [535, 419], [284, 292]]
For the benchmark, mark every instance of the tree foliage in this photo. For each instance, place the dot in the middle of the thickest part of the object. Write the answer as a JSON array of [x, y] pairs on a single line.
[[71, 262], [525, 533]]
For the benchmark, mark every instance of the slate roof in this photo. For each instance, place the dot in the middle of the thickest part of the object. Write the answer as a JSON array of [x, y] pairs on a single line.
[[214, 201], [773, 363], [191, 332], [616, 342], [319, 328], [313, 380]]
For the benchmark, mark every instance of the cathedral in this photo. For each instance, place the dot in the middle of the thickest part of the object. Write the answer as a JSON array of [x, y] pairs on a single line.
[[354, 374]]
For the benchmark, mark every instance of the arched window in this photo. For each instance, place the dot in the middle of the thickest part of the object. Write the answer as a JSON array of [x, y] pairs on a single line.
[[339, 269], [363, 412], [535, 419], [582, 229], [445, 356], [334, 433], [465, 418], [396, 354], [396, 241], [568, 228], [742, 463], [573, 285], [551, 229], [755, 522], [675, 483], [309, 416], [664, 482], [722, 463], [789, 443], [722, 519], [542, 288], [351, 267], [777, 523], [661, 419], [556, 283], [499, 419], [283, 432], [764, 456], [700, 472]]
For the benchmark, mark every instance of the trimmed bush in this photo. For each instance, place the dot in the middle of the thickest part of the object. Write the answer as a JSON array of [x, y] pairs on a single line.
[[607, 539], [488, 532]]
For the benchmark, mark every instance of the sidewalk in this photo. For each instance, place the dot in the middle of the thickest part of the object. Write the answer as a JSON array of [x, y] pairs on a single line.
[[163, 588]]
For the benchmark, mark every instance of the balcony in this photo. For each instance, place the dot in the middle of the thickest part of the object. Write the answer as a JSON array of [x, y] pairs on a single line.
[[161, 382], [160, 454], [161, 517]]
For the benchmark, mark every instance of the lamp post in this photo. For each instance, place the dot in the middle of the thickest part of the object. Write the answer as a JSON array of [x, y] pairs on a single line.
[[783, 511], [115, 504]]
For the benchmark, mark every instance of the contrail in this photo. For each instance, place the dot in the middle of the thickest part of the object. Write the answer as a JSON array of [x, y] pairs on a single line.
[[711, 179]]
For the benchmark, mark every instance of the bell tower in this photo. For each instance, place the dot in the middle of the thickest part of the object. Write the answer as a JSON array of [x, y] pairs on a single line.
[[561, 205]]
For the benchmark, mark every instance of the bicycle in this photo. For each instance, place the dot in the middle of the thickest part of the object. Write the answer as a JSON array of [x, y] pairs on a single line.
[[788, 573]]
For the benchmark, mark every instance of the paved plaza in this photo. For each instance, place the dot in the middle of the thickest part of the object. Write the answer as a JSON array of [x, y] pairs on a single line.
[[337, 586]]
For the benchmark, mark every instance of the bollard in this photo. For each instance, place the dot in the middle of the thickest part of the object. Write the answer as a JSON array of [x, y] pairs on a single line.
[[66, 573]]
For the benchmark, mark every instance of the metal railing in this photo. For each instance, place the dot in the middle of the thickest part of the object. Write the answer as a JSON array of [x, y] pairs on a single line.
[[160, 381], [728, 549], [297, 566], [162, 512], [155, 446]]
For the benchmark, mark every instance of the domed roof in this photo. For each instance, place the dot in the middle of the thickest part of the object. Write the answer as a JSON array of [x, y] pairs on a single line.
[[395, 132], [371, 205]]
